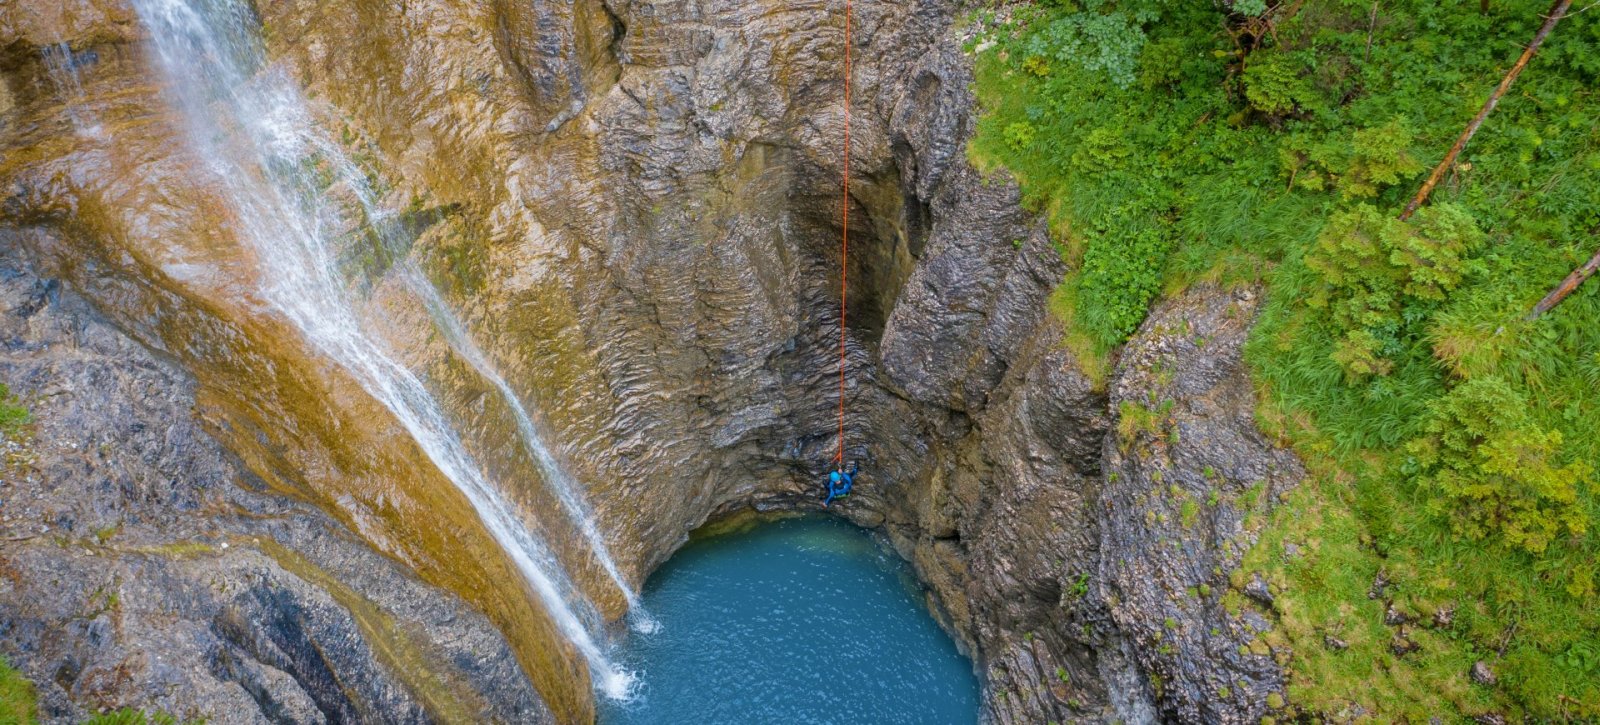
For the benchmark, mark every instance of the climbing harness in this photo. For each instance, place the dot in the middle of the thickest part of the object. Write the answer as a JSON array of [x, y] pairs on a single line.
[[840, 482]]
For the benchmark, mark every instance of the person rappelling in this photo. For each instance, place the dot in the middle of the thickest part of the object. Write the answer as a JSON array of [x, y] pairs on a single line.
[[839, 482]]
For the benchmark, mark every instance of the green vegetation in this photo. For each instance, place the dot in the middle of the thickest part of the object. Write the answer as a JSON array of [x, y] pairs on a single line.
[[13, 414], [1134, 419], [1452, 444], [130, 716], [17, 701]]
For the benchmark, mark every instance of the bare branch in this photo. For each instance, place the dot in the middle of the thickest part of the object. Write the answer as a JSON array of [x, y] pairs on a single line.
[[1583, 272], [1557, 12]]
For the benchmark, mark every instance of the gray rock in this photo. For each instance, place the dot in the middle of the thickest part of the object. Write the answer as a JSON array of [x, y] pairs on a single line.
[[1380, 585], [172, 582], [1204, 392], [1258, 590], [1482, 675]]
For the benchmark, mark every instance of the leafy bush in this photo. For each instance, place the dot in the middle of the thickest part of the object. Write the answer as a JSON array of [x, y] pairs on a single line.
[[1379, 157], [1492, 470], [1360, 165], [1275, 84], [1019, 136], [1121, 274], [1374, 268], [1098, 43]]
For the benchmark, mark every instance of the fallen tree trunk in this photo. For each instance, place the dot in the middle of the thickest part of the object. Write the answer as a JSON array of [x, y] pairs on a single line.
[[1557, 11], [1566, 287]]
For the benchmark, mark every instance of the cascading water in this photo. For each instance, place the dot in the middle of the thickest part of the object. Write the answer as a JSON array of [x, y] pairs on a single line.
[[250, 124], [465, 347], [61, 65]]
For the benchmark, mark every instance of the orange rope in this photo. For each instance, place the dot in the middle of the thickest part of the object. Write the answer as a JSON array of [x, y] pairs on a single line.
[[844, 249]]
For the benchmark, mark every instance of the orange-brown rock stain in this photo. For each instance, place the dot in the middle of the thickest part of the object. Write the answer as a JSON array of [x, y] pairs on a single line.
[[127, 218]]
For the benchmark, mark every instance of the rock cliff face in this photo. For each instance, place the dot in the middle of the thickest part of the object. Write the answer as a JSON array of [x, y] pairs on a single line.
[[143, 566], [635, 208]]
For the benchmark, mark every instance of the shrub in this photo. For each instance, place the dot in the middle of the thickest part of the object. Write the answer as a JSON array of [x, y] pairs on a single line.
[[1121, 274], [1379, 157], [1107, 44], [1494, 472], [1372, 266], [1275, 84], [1019, 136]]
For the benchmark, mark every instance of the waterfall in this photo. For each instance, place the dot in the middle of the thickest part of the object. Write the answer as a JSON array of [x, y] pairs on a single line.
[[248, 122], [464, 346], [61, 65], [565, 490]]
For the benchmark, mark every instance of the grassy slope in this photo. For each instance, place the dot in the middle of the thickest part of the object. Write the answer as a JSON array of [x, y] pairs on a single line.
[[16, 696], [1161, 163]]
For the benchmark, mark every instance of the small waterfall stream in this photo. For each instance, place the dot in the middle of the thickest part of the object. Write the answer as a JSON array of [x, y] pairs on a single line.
[[248, 122], [61, 64], [565, 489]]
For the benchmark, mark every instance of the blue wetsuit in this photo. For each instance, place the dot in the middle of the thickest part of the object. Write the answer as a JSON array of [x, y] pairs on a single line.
[[839, 483]]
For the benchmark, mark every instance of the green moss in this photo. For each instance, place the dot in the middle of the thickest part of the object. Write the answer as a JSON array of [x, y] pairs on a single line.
[[18, 703], [1189, 513], [175, 550], [13, 414], [130, 716], [1134, 420]]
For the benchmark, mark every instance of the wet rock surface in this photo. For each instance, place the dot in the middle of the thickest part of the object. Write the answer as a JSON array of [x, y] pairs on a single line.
[[634, 207], [1183, 468], [141, 566]]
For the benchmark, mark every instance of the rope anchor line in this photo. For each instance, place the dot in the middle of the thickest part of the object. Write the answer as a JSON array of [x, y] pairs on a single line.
[[844, 246]]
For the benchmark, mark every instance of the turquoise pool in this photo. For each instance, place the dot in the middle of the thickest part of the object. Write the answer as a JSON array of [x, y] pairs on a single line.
[[803, 620]]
